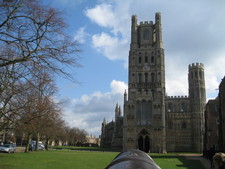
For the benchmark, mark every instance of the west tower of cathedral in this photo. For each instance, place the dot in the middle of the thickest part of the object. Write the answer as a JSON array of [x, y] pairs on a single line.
[[153, 121], [144, 110]]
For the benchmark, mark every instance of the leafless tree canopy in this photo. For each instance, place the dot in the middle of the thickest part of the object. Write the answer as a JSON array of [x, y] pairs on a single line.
[[32, 34], [33, 45]]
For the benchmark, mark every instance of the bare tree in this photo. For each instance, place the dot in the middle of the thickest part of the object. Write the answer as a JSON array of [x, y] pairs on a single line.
[[53, 128], [10, 86], [38, 105], [32, 39], [32, 34], [76, 135]]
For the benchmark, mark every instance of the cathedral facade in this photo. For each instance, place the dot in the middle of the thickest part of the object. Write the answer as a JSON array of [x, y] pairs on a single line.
[[153, 121]]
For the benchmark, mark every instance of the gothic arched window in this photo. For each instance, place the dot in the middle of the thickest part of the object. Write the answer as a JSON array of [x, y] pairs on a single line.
[[200, 74], [196, 74], [139, 59], [184, 125], [146, 77], [152, 77], [152, 59], [183, 107], [170, 107], [146, 59], [140, 78], [146, 34]]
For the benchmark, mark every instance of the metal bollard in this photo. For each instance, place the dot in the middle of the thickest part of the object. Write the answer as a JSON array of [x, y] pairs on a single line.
[[133, 159]]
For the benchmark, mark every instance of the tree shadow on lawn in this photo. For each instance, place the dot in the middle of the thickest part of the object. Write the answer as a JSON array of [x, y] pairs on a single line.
[[6, 166], [192, 162]]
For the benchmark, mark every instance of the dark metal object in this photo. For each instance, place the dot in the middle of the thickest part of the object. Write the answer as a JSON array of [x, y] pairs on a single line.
[[133, 159]]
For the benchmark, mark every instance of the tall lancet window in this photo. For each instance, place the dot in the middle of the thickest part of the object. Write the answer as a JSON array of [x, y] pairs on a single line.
[[140, 78], [152, 59], [146, 77], [146, 34], [152, 77]]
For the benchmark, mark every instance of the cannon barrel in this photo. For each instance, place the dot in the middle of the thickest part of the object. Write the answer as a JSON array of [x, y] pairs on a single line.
[[132, 159]]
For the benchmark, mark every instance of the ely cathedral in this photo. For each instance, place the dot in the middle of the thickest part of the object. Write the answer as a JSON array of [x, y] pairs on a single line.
[[152, 121]]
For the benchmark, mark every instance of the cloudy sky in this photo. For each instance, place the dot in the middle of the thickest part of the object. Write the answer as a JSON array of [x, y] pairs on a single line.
[[193, 31]]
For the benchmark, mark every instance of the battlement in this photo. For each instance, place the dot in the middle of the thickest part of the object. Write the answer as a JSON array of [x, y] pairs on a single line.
[[196, 65], [157, 16], [146, 23], [176, 97], [134, 16]]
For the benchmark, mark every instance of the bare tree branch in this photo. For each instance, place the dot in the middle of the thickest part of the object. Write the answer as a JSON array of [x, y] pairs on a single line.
[[37, 34], [33, 43]]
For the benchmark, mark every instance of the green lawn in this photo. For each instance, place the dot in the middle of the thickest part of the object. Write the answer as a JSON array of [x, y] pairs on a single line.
[[173, 161], [56, 160], [79, 148], [66, 159]]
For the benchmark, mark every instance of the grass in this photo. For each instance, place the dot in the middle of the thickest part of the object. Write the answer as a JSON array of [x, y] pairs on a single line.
[[56, 160], [80, 148], [66, 159], [173, 161]]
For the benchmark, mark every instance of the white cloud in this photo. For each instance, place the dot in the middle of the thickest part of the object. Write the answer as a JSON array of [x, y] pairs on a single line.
[[102, 14], [114, 44], [81, 35], [88, 111], [113, 15], [177, 86], [85, 99], [112, 47], [118, 86], [214, 72]]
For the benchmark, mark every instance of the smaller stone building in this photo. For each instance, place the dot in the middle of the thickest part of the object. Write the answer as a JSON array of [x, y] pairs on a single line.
[[222, 114], [214, 139], [107, 134], [178, 118], [112, 132], [212, 125], [92, 141]]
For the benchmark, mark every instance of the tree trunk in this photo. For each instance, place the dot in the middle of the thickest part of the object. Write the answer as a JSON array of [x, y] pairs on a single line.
[[46, 144], [28, 143], [37, 142]]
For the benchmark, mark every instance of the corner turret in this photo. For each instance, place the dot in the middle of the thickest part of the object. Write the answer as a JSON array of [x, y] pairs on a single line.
[[134, 31], [125, 96], [117, 111], [158, 30], [120, 112], [196, 80], [103, 123]]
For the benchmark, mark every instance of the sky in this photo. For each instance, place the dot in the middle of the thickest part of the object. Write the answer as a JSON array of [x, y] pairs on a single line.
[[193, 31]]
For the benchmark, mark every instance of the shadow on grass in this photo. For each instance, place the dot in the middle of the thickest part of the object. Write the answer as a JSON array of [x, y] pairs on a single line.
[[8, 166], [178, 161], [3, 157]]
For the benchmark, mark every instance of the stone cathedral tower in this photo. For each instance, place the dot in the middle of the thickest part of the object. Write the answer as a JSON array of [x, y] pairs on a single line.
[[144, 109], [153, 121]]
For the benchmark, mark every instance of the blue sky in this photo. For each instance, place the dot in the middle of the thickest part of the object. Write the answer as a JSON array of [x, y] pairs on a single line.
[[193, 31]]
